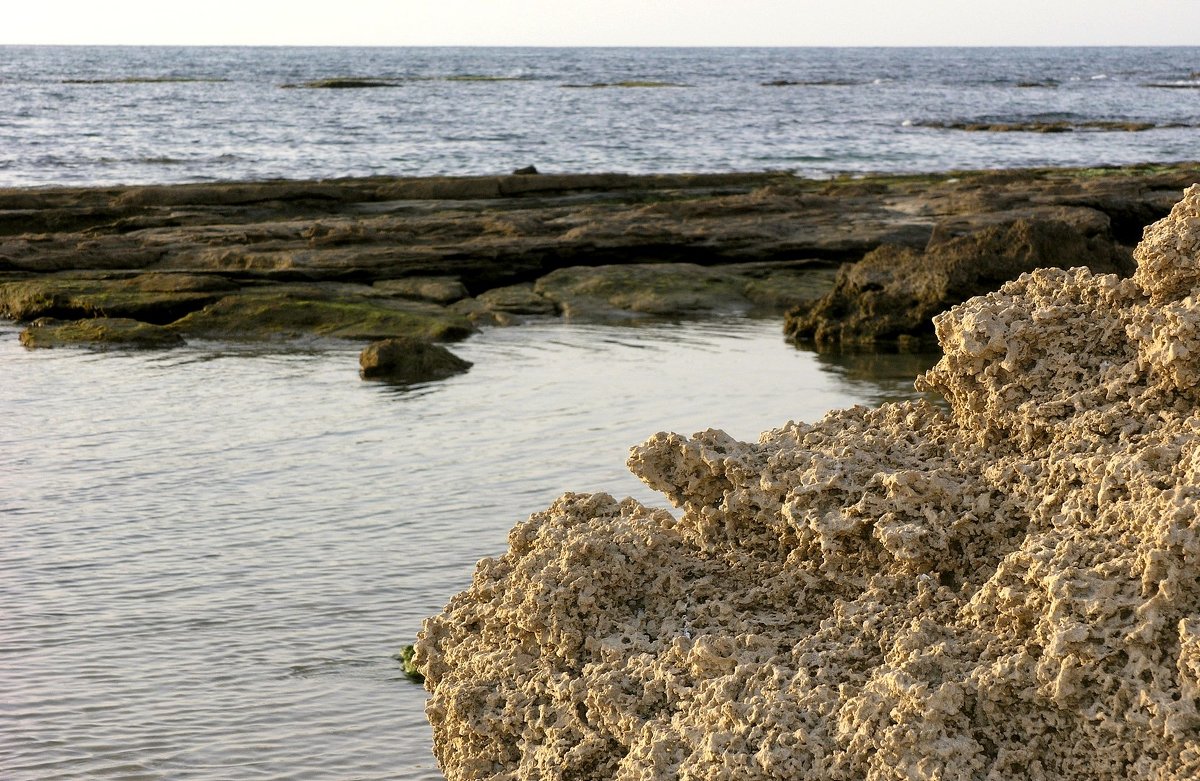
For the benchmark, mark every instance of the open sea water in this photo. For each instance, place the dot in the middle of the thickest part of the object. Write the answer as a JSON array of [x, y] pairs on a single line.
[[209, 554], [87, 115]]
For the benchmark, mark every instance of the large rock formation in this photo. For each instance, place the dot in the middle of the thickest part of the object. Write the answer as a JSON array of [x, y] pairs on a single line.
[[384, 257], [889, 298], [1005, 588]]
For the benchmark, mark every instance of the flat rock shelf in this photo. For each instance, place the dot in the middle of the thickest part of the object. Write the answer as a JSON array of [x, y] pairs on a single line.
[[434, 258]]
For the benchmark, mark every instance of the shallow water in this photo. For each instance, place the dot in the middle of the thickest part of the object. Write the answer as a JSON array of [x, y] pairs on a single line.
[[210, 554]]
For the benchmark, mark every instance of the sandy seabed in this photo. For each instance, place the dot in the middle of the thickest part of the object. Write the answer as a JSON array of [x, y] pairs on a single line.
[[1008, 587]]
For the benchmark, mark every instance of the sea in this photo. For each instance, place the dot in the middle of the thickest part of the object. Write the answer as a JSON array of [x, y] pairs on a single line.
[[96, 115], [211, 554]]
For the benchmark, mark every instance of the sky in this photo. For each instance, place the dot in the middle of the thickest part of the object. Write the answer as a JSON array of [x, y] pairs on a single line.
[[604, 22]]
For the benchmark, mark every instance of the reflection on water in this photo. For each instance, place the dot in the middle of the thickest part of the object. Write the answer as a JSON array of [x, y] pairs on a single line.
[[212, 553], [879, 376]]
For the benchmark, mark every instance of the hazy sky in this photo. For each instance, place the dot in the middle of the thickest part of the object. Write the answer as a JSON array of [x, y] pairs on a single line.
[[605, 22]]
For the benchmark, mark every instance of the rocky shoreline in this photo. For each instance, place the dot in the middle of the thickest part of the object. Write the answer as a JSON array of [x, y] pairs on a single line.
[[1003, 586], [434, 258]]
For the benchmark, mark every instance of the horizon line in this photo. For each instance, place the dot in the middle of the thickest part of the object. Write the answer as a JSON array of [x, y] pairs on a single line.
[[614, 45]]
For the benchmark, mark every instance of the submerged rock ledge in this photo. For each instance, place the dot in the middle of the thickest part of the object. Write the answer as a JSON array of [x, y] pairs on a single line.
[[1007, 589]]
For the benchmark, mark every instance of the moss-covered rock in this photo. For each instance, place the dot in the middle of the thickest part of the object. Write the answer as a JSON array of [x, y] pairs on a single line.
[[269, 314], [639, 289], [889, 298], [408, 360], [680, 289], [517, 300], [101, 333], [153, 298], [777, 287]]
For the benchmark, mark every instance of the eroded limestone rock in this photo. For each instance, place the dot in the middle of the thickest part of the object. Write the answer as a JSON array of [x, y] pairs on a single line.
[[1009, 588]]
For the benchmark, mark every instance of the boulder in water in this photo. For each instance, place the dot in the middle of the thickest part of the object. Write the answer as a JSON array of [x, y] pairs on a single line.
[[408, 360]]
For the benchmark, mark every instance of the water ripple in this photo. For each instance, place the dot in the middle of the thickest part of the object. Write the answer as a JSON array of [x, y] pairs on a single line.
[[210, 556]]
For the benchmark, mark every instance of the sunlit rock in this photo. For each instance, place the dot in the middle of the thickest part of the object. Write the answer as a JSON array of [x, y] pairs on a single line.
[[1008, 587]]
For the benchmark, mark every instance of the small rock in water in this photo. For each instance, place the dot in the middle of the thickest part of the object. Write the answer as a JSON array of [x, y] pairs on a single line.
[[408, 360]]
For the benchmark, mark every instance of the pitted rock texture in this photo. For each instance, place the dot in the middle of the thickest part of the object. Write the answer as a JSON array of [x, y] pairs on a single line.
[[1005, 588]]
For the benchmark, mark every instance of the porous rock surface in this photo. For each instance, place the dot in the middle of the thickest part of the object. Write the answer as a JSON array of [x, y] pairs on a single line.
[[1007, 588]]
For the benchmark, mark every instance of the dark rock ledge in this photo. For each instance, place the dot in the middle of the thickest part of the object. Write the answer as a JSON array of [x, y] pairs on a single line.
[[433, 258]]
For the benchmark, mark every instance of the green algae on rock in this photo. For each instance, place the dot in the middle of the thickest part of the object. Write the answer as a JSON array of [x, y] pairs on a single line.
[[153, 298], [1007, 589], [1055, 126], [273, 314], [631, 290], [438, 290], [405, 657], [363, 249], [101, 333]]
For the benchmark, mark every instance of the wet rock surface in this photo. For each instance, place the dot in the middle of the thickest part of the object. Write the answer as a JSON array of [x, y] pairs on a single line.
[[889, 298], [381, 257], [407, 360], [1002, 588], [100, 333]]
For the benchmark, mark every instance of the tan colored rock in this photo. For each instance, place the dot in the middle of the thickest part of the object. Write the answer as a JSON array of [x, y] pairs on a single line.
[[439, 290], [1169, 256], [517, 300], [1005, 588]]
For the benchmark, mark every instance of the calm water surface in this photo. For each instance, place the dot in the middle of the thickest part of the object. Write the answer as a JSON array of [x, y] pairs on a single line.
[[210, 554]]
